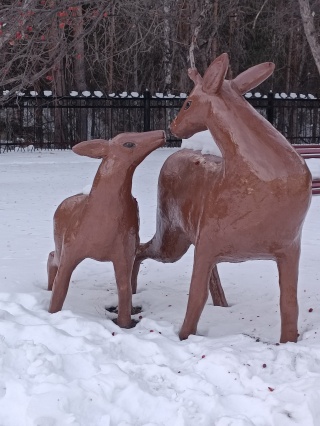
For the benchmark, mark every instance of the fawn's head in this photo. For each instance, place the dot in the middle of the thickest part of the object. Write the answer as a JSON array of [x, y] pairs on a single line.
[[126, 149], [210, 92]]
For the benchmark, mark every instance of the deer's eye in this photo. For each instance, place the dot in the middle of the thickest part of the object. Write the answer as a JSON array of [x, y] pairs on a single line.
[[187, 105], [129, 144]]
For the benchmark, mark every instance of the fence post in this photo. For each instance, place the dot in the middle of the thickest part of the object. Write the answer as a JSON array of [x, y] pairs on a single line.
[[270, 108], [146, 107]]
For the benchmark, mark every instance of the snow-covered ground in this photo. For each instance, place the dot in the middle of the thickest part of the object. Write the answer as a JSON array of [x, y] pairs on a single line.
[[77, 367]]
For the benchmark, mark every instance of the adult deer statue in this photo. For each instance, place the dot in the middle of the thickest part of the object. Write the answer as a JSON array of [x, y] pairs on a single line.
[[104, 224], [249, 205]]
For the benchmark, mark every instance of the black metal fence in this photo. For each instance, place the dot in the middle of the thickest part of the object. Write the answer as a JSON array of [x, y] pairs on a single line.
[[47, 122]]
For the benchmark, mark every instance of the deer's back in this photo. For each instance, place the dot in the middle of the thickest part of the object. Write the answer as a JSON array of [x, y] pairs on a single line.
[[67, 213]]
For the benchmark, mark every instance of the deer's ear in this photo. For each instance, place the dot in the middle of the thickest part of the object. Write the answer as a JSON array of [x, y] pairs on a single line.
[[215, 74], [253, 76], [194, 75], [97, 148]]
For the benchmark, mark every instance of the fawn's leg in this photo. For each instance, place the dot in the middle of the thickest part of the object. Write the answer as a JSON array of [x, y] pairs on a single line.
[[288, 267], [61, 283], [52, 269], [123, 270], [216, 290]]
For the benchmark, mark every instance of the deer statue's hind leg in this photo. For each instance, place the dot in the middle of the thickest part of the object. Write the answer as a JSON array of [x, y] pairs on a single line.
[[288, 267], [168, 246], [52, 269], [135, 272], [216, 290]]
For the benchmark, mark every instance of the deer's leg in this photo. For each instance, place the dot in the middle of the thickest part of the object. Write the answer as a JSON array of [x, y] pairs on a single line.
[[198, 294], [288, 267], [123, 270], [61, 284], [135, 273], [167, 246], [52, 269], [216, 290]]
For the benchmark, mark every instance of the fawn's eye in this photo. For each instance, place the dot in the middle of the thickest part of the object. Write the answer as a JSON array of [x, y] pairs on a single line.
[[187, 105], [129, 144]]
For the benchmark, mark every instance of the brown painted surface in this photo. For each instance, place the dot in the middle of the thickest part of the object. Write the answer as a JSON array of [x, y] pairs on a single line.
[[184, 182], [103, 225], [250, 205]]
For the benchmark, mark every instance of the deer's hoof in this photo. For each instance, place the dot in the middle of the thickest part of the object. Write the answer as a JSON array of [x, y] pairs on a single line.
[[132, 323], [134, 310]]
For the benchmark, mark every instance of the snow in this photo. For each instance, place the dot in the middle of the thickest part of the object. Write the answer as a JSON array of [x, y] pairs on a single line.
[[204, 142], [98, 93], [314, 167], [76, 367], [86, 190]]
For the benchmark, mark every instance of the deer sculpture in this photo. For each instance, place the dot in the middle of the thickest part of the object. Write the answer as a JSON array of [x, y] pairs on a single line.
[[249, 205], [104, 224]]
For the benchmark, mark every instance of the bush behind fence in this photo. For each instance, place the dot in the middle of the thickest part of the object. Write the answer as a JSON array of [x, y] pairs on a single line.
[[47, 122]]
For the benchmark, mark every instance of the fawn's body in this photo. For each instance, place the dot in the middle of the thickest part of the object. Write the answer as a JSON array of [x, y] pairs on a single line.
[[103, 225]]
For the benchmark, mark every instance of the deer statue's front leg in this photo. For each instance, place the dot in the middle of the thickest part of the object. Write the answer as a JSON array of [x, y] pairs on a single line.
[[288, 266], [198, 294], [123, 266]]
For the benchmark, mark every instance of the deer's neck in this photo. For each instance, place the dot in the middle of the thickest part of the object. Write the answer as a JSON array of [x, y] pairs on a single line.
[[249, 142], [112, 183]]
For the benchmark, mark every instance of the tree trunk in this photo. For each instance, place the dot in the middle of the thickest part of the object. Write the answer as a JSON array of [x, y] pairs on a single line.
[[289, 60], [80, 76], [215, 24], [167, 47], [79, 60], [310, 31], [111, 56]]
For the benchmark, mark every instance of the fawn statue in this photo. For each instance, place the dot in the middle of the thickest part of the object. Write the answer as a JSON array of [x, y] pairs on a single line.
[[103, 225]]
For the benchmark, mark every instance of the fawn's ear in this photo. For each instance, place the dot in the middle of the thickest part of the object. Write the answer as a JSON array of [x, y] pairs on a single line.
[[194, 75], [215, 74], [253, 76], [97, 148]]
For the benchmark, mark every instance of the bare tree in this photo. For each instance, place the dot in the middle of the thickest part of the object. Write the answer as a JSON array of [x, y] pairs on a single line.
[[125, 45], [42, 40]]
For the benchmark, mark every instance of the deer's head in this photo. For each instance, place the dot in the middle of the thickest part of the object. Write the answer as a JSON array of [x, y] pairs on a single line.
[[125, 149], [209, 92]]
